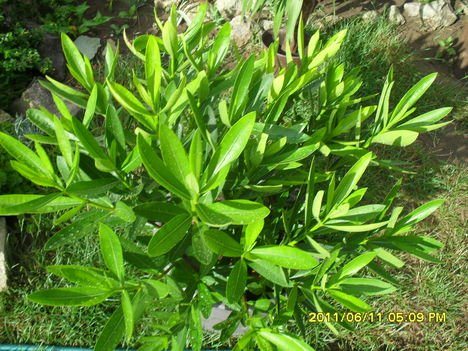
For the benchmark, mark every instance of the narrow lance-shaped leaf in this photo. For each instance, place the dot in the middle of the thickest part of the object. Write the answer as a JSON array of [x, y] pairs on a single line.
[[236, 282], [221, 243], [285, 256], [357, 264], [169, 235], [79, 296], [232, 144], [111, 250], [351, 178], [175, 158], [349, 301], [128, 314], [153, 70], [158, 170]]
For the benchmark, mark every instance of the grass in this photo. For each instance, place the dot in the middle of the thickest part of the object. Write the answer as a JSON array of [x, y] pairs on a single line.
[[423, 286]]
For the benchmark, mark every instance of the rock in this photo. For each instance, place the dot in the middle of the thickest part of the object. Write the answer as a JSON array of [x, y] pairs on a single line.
[[5, 117], [463, 7], [395, 16], [370, 16], [229, 8], [267, 25], [438, 14], [3, 277], [412, 9], [165, 4], [36, 96], [435, 14], [88, 46], [241, 33], [51, 48], [219, 314]]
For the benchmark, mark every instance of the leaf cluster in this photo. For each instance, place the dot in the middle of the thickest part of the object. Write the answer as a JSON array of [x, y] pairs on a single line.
[[242, 206]]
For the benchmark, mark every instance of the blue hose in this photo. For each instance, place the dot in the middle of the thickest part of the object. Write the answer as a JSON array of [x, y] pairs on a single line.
[[12, 347]]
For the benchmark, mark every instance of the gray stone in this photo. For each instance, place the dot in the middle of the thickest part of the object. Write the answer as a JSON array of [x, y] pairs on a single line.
[[370, 16], [36, 96], [412, 9], [88, 46], [229, 8], [267, 25], [165, 4], [51, 48], [435, 14], [463, 7], [241, 33], [3, 277], [219, 314], [395, 16], [5, 117], [438, 14]]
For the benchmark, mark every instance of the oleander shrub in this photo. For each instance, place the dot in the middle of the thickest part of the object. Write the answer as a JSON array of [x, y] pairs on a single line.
[[229, 198]]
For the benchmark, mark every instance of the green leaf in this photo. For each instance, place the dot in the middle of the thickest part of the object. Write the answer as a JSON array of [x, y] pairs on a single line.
[[153, 69], [270, 272], [200, 250], [232, 145], [357, 264], [87, 140], [220, 47], [354, 228], [75, 61], [76, 230], [129, 102], [124, 212], [196, 329], [63, 142], [169, 235], [236, 282], [222, 244], [90, 107], [400, 138], [317, 204], [285, 256], [369, 287], [92, 188], [175, 158], [158, 211], [66, 92], [419, 123], [196, 154], [241, 87], [169, 36], [252, 231], [10, 205], [411, 97], [158, 170], [85, 276], [236, 212], [351, 178], [115, 326], [128, 314], [420, 213], [79, 296], [23, 154], [111, 250], [349, 301], [285, 342]]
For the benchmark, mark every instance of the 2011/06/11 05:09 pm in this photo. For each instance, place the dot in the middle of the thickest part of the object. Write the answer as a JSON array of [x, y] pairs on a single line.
[[390, 317]]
